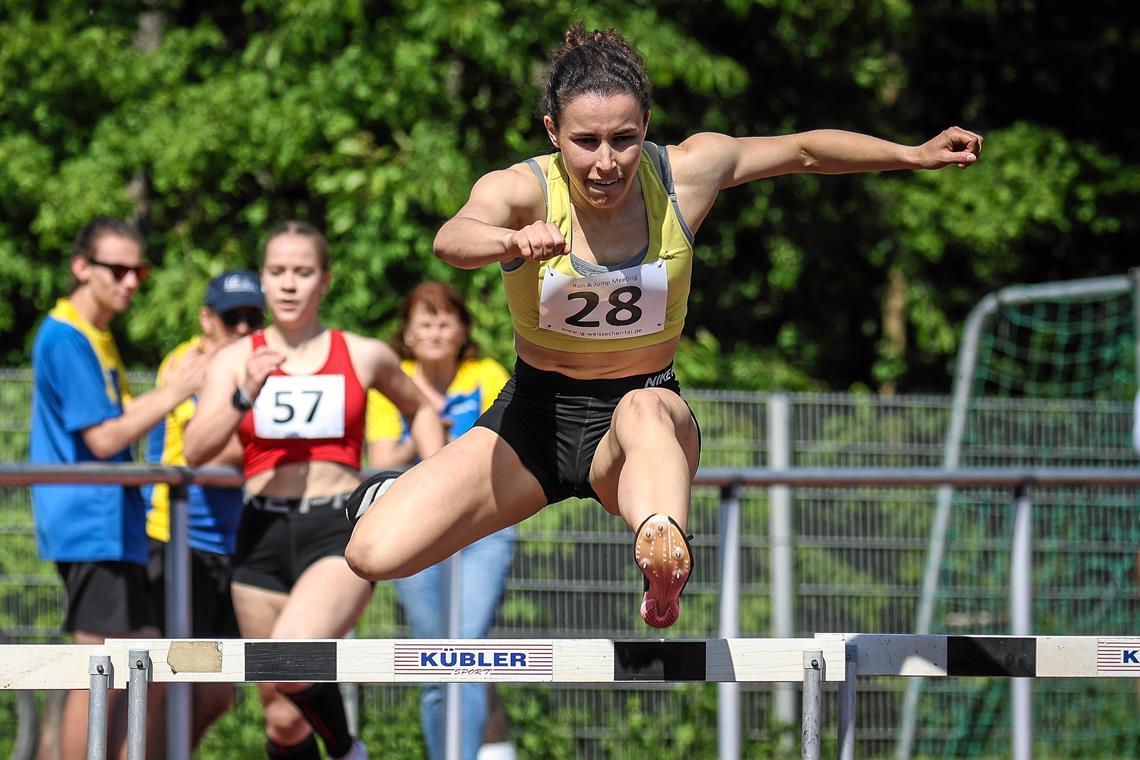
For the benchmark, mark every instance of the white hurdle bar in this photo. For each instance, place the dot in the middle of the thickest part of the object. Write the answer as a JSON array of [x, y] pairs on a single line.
[[133, 662], [478, 661], [948, 656], [829, 657]]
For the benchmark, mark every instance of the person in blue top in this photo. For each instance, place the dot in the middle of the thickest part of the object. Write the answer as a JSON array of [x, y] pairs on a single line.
[[234, 307], [83, 412], [440, 356]]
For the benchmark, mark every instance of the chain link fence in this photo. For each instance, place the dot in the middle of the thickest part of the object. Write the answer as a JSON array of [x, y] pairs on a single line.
[[858, 562]]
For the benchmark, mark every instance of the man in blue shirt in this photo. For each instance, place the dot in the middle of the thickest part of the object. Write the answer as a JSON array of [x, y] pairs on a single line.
[[83, 411]]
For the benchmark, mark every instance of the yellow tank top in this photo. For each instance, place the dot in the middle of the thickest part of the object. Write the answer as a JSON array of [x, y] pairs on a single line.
[[569, 305]]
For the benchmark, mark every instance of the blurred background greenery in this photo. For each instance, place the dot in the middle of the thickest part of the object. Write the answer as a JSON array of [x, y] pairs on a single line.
[[208, 122]]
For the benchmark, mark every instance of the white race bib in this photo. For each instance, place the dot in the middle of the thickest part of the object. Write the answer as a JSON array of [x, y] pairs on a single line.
[[306, 406], [621, 304]]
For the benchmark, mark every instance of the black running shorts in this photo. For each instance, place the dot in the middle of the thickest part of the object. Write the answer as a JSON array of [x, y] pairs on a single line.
[[554, 422], [275, 547], [106, 597]]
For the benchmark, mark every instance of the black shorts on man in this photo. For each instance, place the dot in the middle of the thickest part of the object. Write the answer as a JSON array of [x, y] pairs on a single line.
[[109, 597]]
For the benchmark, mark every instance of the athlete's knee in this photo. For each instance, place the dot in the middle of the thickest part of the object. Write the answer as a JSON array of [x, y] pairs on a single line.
[[284, 723], [370, 551], [648, 409], [365, 555], [376, 554]]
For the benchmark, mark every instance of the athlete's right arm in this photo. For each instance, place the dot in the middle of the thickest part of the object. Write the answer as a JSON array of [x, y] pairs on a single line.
[[144, 412], [503, 220], [216, 418]]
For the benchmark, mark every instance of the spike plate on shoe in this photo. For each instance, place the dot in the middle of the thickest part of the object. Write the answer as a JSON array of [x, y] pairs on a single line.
[[664, 557]]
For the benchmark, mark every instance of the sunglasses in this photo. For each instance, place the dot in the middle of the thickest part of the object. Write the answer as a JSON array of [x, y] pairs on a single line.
[[119, 271], [235, 317]]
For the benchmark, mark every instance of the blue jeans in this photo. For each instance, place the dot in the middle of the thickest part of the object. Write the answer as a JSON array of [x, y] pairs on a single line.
[[483, 568]]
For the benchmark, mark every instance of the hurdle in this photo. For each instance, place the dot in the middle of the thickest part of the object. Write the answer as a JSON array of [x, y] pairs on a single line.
[[839, 658], [133, 663]]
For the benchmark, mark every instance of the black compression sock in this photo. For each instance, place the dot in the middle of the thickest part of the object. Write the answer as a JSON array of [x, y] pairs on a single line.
[[323, 707], [306, 750]]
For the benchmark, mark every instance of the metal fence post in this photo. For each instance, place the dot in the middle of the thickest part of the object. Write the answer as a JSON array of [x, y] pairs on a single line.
[[179, 620], [1021, 615], [780, 547], [813, 704], [847, 705], [137, 688], [102, 675], [728, 694]]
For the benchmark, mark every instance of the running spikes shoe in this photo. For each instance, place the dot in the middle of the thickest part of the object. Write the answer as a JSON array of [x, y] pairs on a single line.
[[368, 492], [665, 556]]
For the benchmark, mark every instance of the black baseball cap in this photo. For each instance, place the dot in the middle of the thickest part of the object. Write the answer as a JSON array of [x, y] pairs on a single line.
[[234, 289]]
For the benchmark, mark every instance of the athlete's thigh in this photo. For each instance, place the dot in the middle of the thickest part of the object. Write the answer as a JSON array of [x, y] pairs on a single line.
[[627, 431], [470, 488], [325, 602], [256, 609]]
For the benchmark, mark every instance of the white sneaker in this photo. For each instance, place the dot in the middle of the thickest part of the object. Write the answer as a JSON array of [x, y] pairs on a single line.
[[358, 751], [497, 751]]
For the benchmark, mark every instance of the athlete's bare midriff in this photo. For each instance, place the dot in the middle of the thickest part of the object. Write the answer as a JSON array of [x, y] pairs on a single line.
[[598, 365], [304, 479]]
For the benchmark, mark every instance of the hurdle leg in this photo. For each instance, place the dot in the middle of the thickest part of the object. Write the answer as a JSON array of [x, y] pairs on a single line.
[[847, 707], [1021, 615], [813, 703], [453, 611], [137, 688], [728, 694], [102, 673]]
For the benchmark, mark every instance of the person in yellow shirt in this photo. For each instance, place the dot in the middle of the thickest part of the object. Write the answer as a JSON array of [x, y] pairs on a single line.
[[434, 340], [595, 246], [233, 308]]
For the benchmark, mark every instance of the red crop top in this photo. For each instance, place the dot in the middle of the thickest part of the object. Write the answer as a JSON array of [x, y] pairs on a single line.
[[287, 410]]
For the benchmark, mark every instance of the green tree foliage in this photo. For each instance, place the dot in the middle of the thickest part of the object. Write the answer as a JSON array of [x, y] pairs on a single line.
[[208, 122]]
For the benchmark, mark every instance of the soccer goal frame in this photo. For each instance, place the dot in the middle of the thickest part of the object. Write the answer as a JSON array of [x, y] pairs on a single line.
[[1021, 595]]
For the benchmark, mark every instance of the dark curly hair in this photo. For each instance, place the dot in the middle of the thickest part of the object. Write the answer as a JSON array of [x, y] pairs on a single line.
[[597, 62]]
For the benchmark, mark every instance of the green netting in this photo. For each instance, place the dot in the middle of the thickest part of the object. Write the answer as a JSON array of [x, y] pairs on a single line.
[[1082, 351], [1075, 349]]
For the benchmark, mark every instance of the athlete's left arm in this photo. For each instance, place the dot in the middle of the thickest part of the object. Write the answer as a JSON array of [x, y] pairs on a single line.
[[378, 367], [709, 162]]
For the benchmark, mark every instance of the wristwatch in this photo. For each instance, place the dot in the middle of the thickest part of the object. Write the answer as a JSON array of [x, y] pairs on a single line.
[[241, 400]]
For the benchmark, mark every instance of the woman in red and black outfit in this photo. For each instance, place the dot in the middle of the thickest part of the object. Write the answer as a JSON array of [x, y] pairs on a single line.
[[295, 394]]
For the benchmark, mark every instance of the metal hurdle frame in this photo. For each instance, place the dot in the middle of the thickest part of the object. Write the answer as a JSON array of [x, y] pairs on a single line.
[[134, 663], [729, 480], [829, 657]]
